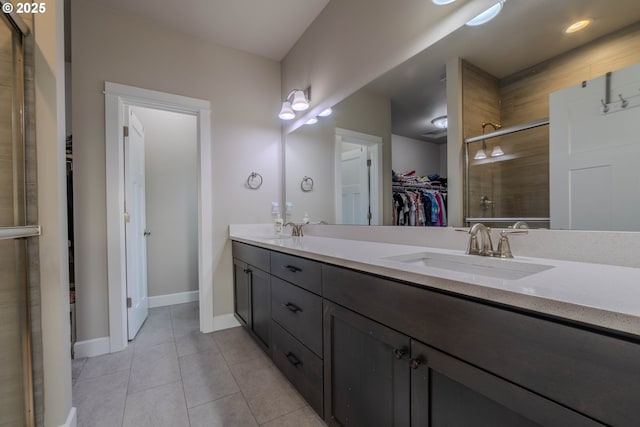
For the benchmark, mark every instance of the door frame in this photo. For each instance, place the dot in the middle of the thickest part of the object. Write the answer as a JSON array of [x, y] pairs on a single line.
[[374, 145], [117, 96]]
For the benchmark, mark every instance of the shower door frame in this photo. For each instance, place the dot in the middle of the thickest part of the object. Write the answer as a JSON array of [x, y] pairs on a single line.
[[16, 24]]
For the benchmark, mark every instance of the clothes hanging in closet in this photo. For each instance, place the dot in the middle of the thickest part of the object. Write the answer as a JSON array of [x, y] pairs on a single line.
[[419, 207]]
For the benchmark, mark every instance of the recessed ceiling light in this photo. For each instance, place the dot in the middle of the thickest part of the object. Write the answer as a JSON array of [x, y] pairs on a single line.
[[487, 15], [442, 2], [577, 26]]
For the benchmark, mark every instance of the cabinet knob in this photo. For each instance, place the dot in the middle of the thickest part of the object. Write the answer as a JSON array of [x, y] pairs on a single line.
[[415, 363], [292, 307], [399, 353], [293, 359]]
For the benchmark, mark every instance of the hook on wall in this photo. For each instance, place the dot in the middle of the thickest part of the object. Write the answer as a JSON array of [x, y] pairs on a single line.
[[625, 103]]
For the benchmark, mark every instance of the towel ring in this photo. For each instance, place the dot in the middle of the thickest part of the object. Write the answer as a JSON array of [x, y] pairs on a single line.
[[254, 181], [307, 184]]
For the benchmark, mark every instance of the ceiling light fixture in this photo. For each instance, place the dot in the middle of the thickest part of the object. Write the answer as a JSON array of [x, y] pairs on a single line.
[[442, 2], [297, 100], [326, 112], [577, 26], [487, 15], [312, 121], [440, 122]]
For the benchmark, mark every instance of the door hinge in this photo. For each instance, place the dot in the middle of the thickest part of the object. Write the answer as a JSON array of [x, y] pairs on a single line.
[[127, 217], [369, 162], [129, 302], [125, 130]]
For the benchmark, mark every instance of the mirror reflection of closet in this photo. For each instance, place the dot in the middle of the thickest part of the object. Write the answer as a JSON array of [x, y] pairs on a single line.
[[507, 71]]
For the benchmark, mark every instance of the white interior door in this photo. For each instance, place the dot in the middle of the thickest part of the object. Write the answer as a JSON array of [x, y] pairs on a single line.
[[355, 183], [594, 155], [135, 224]]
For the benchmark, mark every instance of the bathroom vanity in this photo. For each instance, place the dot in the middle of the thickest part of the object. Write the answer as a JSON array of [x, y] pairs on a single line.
[[376, 334]]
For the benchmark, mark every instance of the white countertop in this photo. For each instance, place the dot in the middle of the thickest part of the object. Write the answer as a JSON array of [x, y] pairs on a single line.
[[596, 294]]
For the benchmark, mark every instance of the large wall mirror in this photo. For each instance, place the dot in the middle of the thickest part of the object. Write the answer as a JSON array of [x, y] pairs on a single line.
[[383, 158]]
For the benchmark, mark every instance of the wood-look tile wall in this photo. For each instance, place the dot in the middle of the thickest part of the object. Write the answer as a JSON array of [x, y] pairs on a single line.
[[518, 183]]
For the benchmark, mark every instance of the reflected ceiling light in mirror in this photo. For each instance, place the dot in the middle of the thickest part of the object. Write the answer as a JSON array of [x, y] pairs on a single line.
[[577, 26], [487, 15], [286, 113], [440, 122], [326, 112], [442, 2], [312, 121], [481, 153]]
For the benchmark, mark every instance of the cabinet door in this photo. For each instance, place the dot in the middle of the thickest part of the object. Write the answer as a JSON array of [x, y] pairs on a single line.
[[448, 392], [366, 371], [260, 289], [241, 292]]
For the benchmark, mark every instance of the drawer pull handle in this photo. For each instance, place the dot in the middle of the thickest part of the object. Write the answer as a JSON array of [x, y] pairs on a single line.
[[292, 307], [399, 353], [293, 359], [292, 268]]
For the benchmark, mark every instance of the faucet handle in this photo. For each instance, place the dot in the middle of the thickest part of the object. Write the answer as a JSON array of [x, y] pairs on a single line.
[[504, 247], [473, 248]]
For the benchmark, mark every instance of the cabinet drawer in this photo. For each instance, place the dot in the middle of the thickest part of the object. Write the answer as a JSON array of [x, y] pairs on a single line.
[[591, 372], [299, 365], [302, 272], [299, 312], [253, 255]]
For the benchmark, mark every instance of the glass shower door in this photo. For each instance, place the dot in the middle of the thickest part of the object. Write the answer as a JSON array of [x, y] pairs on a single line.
[[16, 401]]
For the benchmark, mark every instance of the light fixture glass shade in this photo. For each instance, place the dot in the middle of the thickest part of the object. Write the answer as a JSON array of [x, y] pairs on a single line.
[[326, 112], [286, 113], [497, 151], [300, 102], [440, 122], [442, 2], [481, 154], [577, 26], [487, 15], [312, 121]]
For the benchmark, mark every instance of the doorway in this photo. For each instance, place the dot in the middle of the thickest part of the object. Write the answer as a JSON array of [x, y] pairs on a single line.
[[118, 99], [358, 180]]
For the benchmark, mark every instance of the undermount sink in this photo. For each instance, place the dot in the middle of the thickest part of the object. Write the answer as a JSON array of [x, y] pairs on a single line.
[[275, 237], [471, 264]]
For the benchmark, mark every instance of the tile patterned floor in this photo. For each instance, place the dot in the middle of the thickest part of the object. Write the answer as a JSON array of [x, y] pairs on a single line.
[[173, 375]]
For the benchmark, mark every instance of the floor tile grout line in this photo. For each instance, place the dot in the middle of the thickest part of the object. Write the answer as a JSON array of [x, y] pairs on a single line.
[[243, 396]]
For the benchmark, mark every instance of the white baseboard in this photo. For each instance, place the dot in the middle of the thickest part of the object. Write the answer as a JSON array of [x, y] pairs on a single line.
[[72, 421], [91, 348], [224, 321], [171, 299]]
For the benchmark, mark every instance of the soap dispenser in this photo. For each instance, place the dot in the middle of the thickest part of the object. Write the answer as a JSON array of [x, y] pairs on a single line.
[[278, 223]]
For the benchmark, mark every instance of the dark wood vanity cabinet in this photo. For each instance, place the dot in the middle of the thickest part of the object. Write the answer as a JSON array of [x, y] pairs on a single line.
[[365, 350], [366, 371], [252, 291]]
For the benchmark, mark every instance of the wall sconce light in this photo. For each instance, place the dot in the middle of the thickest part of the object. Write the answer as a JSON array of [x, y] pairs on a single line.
[[481, 154], [297, 100], [326, 112], [312, 121], [497, 151], [440, 122]]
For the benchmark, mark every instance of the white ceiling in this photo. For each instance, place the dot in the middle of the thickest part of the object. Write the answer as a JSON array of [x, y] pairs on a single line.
[[267, 28], [525, 33]]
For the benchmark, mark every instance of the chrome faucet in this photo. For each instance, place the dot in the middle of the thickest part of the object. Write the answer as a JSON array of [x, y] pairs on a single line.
[[504, 248], [296, 229]]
